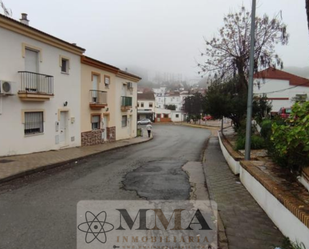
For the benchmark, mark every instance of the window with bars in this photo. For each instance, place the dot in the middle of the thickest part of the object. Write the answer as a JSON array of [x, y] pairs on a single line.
[[124, 121], [34, 123], [95, 122]]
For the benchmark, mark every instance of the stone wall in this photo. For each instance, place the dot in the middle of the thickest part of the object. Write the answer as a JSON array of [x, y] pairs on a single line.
[[92, 137], [111, 133]]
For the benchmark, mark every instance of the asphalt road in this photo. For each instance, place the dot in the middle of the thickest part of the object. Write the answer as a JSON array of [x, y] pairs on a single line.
[[39, 211]]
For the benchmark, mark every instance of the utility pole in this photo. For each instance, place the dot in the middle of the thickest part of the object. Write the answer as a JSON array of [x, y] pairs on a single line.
[[250, 87]]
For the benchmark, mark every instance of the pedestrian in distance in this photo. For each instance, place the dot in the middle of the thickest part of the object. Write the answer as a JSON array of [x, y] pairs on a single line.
[[149, 128]]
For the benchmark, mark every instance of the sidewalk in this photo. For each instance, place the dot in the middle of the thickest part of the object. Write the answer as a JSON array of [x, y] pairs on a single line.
[[246, 224], [15, 166]]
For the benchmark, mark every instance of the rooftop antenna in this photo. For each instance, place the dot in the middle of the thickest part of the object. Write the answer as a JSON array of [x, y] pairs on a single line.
[[6, 11]]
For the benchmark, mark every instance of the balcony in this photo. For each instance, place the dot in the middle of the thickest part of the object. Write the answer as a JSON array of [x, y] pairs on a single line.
[[126, 103], [35, 86], [98, 99]]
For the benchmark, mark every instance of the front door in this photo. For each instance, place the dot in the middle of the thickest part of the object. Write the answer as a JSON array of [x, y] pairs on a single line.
[[129, 125], [104, 127], [32, 65], [63, 128]]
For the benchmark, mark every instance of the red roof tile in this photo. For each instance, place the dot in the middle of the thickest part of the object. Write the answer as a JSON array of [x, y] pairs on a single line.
[[273, 73]]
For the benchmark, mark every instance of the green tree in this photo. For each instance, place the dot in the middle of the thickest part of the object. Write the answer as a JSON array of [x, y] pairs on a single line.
[[170, 107], [291, 139], [228, 54], [194, 106], [228, 99]]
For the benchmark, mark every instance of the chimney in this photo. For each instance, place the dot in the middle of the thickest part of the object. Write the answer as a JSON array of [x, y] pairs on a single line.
[[24, 19]]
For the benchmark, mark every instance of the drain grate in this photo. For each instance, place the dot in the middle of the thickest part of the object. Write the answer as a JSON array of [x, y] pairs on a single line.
[[6, 161]]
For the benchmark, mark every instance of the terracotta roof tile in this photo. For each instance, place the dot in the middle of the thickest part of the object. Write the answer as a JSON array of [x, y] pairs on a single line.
[[273, 73]]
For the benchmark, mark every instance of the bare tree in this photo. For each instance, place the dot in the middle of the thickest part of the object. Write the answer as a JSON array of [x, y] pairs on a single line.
[[307, 10], [228, 54], [6, 11]]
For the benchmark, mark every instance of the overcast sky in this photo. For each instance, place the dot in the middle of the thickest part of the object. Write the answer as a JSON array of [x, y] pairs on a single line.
[[158, 35]]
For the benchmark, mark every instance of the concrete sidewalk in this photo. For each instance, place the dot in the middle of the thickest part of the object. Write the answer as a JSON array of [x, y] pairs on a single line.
[[246, 224], [16, 166]]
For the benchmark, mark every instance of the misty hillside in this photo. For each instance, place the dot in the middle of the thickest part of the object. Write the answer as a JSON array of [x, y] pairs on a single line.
[[300, 71]]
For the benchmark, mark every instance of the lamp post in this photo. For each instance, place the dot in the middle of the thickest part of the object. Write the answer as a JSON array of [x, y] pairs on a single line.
[[250, 86]]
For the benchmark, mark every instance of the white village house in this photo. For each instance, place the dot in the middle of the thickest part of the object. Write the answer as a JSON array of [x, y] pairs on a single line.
[[280, 87], [40, 78]]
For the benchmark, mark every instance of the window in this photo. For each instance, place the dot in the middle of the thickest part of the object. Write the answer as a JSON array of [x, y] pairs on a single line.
[[158, 115], [64, 65], [142, 104], [165, 115], [95, 122], [137, 104], [124, 121], [107, 81], [150, 104], [34, 123], [177, 115]]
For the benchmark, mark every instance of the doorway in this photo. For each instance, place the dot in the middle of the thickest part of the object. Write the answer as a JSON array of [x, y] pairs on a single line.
[[104, 127], [32, 66], [63, 128]]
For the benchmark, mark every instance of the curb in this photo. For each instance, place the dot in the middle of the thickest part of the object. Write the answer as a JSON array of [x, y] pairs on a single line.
[[55, 165], [201, 126]]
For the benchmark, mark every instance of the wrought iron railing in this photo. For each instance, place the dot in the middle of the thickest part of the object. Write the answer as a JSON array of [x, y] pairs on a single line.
[[126, 101], [98, 97], [36, 83]]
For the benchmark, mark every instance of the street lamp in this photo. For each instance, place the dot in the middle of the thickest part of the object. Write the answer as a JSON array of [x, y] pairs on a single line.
[[250, 87]]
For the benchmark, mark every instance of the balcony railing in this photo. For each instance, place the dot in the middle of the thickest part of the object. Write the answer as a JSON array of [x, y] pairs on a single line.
[[98, 99], [36, 83], [126, 103]]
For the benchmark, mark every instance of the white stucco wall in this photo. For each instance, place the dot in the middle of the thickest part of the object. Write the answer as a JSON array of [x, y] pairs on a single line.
[[274, 88], [288, 223], [130, 130], [233, 164], [66, 88], [174, 117], [146, 105]]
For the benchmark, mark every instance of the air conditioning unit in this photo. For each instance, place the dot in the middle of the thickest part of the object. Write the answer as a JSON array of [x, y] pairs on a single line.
[[7, 87], [129, 85]]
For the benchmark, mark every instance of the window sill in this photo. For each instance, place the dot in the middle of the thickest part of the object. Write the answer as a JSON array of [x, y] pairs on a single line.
[[65, 73], [34, 134]]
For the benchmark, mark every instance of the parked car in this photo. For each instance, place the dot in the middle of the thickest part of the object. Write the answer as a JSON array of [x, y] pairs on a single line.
[[284, 112], [207, 117], [143, 121]]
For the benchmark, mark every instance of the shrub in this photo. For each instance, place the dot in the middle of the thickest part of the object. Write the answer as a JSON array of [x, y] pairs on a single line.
[[257, 142], [266, 129], [291, 139], [288, 244]]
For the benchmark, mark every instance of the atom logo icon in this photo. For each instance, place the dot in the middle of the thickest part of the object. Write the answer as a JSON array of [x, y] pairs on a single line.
[[95, 227]]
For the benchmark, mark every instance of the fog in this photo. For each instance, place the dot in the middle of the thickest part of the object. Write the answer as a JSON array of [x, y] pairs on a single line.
[[163, 36]]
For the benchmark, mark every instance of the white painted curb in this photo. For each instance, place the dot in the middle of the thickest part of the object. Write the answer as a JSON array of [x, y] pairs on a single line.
[[233, 164], [286, 221]]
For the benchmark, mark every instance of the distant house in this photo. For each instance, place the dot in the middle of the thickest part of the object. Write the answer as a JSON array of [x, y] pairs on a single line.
[[163, 115], [280, 87], [146, 103]]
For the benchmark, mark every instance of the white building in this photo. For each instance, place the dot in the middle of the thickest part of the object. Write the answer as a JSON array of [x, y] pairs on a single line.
[[40, 79], [160, 96], [146, 103], [280, 87]]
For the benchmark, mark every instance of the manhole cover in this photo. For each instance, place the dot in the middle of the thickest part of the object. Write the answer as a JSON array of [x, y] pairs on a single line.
[[6, 161]]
